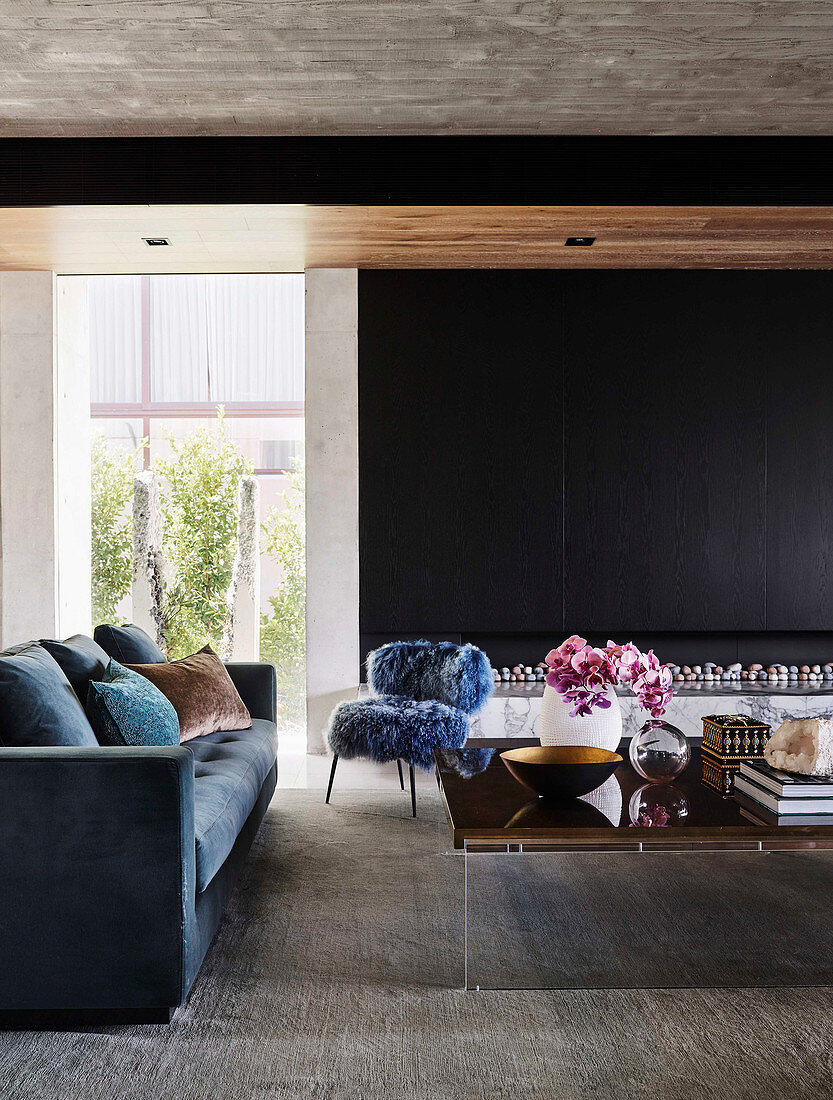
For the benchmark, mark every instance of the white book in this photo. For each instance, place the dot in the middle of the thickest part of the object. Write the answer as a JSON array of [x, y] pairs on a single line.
[[784, 807], [786, 784]]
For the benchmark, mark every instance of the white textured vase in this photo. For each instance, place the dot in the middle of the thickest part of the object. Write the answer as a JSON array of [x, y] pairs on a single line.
[[602, 729]]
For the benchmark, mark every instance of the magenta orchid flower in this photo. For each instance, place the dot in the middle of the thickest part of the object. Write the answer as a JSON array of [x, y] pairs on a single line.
[[582, 675]]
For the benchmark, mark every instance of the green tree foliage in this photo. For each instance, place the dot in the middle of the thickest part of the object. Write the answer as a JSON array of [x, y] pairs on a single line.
[[198, 491], [112, 529], [283, 631]]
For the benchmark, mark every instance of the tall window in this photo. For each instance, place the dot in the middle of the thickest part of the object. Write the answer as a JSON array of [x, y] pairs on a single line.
[[165, 352]]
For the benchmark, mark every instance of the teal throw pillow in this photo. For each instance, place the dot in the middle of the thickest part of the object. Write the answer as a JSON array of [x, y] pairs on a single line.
[[124, 708]]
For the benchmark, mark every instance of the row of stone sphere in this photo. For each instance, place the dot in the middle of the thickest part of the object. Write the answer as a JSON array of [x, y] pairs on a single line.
[[736, 671], [708, 672], [520, 673]]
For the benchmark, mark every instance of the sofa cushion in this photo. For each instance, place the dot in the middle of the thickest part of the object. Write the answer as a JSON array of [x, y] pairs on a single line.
[[129, 645], [202, 693], [229, 770], [37, 704], [124, 708], [80, 659]]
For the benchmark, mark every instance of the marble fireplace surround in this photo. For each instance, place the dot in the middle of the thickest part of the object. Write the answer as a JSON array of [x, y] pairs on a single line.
[[514, 709]]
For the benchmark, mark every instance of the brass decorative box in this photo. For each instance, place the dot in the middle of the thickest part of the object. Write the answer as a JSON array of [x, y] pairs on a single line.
[[727, 740], [735, 736]]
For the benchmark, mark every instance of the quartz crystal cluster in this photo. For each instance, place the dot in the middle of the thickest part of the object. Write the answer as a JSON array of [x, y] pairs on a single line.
[[802, 745]]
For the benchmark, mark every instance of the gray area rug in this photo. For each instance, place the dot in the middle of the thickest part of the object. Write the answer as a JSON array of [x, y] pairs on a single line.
[[336, 973]]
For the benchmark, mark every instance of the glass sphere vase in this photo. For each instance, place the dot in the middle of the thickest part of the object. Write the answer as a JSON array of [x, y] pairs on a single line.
[[659, 752]]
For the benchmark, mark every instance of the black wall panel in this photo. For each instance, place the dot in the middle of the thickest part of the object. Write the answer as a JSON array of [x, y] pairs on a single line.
[[800, 456], [612, 452], [460, 395], [665, 451]]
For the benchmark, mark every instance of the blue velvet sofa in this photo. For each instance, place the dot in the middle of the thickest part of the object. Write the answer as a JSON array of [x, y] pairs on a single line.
[[116, 864]]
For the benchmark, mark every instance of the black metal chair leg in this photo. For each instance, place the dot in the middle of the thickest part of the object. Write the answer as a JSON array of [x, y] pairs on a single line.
[[413, 791], [332, 777], [401, 779]]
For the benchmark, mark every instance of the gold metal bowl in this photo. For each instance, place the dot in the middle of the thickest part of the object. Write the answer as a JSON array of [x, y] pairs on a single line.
[[561, 771]]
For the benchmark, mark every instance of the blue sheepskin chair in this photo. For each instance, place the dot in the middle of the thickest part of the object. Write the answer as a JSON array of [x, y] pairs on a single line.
[[422, 696]]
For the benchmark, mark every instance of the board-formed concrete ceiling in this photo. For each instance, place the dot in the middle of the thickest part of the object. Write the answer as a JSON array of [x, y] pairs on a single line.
[[96, 67]]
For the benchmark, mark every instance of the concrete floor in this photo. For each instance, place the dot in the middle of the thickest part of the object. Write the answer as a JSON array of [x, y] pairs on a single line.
[[299, 769]]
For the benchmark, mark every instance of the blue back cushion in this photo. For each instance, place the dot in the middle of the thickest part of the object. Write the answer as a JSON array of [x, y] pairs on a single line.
[[129, 645], [457, 675], [37, 704], [127, 709], [80, 659]]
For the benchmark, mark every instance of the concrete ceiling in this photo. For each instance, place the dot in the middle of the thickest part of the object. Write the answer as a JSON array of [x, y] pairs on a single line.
[[415, 67]]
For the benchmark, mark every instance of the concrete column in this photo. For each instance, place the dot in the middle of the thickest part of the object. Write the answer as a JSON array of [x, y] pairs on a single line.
[[332, 497], [44, 464], [73, 559]]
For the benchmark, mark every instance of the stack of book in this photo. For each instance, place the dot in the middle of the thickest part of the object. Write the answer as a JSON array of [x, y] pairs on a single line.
[[781, 798]]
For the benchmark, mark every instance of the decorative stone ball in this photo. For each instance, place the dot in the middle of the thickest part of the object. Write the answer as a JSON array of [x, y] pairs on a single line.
[[736, 667], [700, 675], [718, 669], [707, 675], [708, 664], [686, 670], [696, 668], [804, 668], [527, 669], [753, 675], [755, 668], [744, 675], [679, 676], [690, 676], [804, 675], [815, 668]]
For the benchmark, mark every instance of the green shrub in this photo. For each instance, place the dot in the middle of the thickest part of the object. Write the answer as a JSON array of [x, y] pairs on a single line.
[[112, 529], [283, 631], [198, 496]]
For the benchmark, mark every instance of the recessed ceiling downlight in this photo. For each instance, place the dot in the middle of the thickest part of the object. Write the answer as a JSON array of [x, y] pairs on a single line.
[[580, 241], [156, 242]]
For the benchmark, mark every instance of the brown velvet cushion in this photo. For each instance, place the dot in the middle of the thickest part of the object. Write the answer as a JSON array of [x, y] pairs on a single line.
[[202, 694]]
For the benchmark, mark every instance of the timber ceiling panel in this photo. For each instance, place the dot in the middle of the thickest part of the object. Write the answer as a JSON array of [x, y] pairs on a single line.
[[94, 67], [108, 239]]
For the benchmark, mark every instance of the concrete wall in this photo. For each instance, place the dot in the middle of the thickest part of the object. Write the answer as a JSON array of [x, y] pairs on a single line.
[[44, 466], [332, 499], [28, 574]]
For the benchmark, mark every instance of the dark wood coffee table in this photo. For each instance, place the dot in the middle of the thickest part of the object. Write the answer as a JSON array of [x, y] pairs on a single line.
[[525, 863], [493, 808]]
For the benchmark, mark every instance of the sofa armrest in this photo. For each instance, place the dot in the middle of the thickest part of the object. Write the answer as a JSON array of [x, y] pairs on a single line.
[[98, 869], [257, 685]]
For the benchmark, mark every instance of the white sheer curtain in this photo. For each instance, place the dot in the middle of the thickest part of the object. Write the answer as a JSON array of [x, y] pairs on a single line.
[[227, 337], [216, 338], [115, 314]]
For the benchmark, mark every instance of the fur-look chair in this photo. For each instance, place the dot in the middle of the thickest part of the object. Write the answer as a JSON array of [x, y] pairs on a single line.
[[422, 696]]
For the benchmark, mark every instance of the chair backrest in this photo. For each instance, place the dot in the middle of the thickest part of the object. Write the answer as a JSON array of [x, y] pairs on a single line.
[[458, 675]]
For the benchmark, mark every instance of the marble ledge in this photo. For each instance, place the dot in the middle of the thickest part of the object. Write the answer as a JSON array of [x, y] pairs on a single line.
[[514, 709]]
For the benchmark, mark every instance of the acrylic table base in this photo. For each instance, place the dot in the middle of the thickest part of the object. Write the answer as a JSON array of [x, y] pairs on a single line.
[[646, 918]]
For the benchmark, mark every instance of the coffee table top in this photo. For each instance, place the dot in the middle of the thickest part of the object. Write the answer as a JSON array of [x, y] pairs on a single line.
[[493, 808]]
